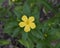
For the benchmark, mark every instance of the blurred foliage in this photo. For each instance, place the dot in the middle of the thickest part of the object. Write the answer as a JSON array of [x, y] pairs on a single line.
[[4, 42], [11, 12]]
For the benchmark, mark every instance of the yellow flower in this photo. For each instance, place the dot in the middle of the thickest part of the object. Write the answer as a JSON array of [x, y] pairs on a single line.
[[27, 23]]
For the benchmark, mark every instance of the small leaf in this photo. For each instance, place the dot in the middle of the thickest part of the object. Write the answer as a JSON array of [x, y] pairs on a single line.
[[4, 42], [26, 9], [24, 42], [24, 35], [58, 45]]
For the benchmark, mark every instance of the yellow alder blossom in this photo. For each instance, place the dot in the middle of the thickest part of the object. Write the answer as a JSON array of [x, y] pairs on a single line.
[[27, 23]]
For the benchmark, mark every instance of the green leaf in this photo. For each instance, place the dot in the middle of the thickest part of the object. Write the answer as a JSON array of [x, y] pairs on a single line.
[[58, 45], [16, 32], [26, 43], [39, 45], [32, 38], [26, 9], [24, 35], [58, 35], [18, 11], [49, 6], [1, 1], [4, 42], [10, 27], [37, 34]]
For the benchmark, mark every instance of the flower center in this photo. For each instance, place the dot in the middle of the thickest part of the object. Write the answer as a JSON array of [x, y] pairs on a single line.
[[27, 22]]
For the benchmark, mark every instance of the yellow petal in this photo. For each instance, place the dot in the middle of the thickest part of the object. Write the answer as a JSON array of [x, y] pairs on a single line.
[[24, 18], [32, 25], [22, 24], [31, 18], [27, 28]]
